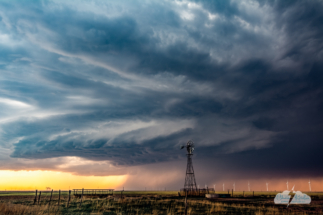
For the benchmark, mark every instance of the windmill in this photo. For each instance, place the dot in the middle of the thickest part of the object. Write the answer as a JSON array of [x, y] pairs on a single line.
[[190, 183], [248, 186], [287, 185], [309, 184], [267, 186]]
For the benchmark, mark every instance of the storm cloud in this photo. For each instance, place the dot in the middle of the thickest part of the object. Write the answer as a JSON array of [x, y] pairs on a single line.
[[129, 82]]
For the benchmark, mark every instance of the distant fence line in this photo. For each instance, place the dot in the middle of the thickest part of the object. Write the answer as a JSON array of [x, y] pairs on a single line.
[[147, 190], [80, 193]]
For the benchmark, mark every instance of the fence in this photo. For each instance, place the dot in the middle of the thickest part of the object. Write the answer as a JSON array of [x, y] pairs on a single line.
[[55, 196], [92, 192]]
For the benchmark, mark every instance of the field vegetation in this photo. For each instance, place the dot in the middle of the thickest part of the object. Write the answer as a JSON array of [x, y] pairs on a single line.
[[137, 203]]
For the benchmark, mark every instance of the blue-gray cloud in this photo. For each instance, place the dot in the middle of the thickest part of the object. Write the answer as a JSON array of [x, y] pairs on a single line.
[[129, 82]]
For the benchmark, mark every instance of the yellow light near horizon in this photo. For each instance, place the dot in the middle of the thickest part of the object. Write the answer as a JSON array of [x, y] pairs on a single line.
[[31, 180]]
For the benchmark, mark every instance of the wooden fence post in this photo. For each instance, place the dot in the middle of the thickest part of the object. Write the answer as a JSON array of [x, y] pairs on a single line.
[[59, 197], [69, 197], [51, 195], [35, 198], [39, 196]]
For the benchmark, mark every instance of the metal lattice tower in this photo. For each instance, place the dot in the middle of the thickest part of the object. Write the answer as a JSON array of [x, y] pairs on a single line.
[[190, 183]]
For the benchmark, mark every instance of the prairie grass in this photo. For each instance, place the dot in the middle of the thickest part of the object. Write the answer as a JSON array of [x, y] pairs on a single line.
[[140, 205], [9, 208]]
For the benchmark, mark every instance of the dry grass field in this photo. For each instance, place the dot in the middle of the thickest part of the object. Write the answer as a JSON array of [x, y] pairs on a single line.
[[168, 203]]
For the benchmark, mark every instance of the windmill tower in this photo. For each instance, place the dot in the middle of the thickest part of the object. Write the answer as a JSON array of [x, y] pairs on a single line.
[[309, 184], [190, 183]]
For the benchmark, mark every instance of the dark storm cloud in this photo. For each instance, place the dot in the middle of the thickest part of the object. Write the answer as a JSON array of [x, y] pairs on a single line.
[[131, 82]]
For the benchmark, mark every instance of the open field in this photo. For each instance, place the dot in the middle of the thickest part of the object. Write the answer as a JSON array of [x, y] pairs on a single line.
[[149, 202], [175, 193]]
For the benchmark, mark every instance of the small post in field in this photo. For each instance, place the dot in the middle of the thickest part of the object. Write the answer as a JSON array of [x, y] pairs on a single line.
[[35, 198], [69, 197], [39, 196], [59, 197], [51, 195], [122, 193]]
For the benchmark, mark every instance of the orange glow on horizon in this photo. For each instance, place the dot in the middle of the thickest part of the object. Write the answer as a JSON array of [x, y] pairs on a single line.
[[31, 180]]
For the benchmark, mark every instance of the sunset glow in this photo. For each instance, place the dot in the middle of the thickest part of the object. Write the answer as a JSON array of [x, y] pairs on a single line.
[[30, 180]]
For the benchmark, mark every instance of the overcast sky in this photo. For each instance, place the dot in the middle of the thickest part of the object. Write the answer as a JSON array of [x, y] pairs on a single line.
[[116, 87]]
